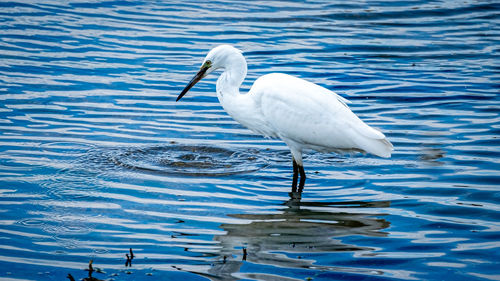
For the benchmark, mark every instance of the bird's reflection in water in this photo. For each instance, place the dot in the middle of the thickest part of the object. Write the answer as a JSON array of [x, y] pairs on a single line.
[[299, 228]]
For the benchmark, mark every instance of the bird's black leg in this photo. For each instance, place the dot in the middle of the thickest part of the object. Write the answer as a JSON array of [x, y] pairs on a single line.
[[302, 177], [295, 175]]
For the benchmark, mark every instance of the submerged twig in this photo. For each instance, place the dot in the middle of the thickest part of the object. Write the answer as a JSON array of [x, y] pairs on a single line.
[[129, 258]]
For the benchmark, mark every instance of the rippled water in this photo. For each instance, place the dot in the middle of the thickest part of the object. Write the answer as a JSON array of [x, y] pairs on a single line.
[[96, 156]]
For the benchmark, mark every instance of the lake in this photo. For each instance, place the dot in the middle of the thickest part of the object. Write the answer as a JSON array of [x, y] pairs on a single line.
[[97, 158]]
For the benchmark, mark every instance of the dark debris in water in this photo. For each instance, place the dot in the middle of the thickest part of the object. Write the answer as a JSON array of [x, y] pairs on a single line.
[[90, 270], [130, 256]]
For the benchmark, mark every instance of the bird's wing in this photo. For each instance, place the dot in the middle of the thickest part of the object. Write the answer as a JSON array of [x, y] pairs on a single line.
[[309, 114]]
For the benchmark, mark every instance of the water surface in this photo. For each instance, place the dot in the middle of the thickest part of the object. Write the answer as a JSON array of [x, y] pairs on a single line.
[[96, 156]]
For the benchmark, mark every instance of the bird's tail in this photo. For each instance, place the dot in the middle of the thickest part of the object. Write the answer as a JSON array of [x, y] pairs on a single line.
[[373, 141], [380, 147]]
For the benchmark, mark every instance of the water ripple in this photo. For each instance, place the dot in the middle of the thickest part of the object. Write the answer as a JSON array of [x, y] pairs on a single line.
[[97, 157]]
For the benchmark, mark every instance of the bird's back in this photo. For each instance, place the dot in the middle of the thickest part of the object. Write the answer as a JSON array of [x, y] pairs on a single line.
[[312, 116]]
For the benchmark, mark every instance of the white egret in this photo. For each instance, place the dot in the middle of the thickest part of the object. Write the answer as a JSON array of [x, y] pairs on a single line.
[[302, 114]]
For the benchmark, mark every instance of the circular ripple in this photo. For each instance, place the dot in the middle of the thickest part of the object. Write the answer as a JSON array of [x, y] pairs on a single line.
[[68, 148], [188, 160], [31, 222]]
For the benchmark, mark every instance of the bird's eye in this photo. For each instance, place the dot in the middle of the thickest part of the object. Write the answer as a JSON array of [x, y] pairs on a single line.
[[208, 63]]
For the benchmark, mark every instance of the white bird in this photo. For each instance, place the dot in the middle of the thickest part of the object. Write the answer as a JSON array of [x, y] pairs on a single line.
[[302, 114]]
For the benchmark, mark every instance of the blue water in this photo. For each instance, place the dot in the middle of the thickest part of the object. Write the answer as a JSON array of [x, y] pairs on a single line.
[[96, 156]]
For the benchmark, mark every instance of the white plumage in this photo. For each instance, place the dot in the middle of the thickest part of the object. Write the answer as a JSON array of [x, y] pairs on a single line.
[[304, 115]]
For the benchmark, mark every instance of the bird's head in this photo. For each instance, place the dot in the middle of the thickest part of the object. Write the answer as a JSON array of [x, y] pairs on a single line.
[[219, 57]]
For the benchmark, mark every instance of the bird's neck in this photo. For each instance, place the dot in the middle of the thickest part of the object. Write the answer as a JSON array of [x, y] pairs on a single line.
[[228, 89], [231, 79], [229, 82]]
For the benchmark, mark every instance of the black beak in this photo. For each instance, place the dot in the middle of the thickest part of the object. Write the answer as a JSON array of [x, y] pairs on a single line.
[[193, 81]]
